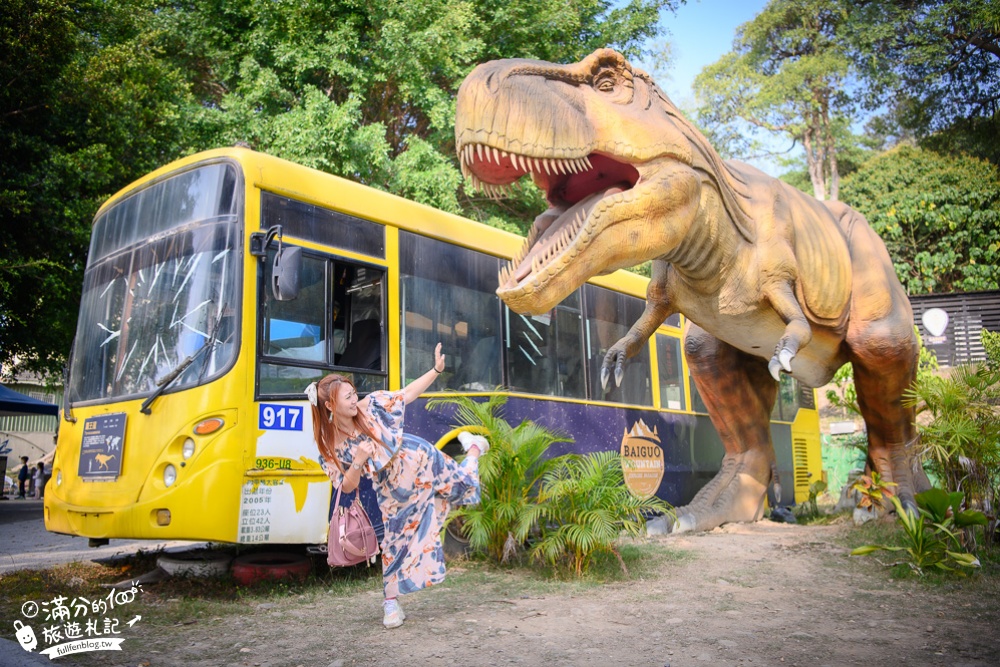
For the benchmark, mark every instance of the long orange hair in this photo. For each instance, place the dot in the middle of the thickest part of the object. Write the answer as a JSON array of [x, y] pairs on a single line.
[[325, 427]]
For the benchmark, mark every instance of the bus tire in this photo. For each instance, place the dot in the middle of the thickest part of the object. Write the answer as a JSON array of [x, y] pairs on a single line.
[[270, 566], [195, 563], [455, 544]]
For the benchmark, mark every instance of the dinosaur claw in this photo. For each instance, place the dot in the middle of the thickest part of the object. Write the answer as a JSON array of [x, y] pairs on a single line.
[[775, 367], [619, 374], [605, 375], [785, 357]]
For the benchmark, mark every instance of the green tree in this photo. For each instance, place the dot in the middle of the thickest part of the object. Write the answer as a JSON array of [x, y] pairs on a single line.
[[87, 105], [936, 65], [98, 92], [786, 76], [939, 217]]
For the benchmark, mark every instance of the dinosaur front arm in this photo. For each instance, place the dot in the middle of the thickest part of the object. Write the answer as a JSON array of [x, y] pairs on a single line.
[[659, 306], [797, 334]]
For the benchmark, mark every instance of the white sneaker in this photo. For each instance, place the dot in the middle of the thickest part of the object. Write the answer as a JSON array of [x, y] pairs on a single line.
[[393, 615], [470, 440]]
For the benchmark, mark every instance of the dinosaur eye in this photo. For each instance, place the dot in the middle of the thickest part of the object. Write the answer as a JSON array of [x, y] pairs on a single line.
[[605, 83]]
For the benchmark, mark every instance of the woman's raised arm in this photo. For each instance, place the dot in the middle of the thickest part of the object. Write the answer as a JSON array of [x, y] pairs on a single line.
[[423, 383]]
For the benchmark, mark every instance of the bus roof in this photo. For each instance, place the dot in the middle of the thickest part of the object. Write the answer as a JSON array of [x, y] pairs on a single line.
[[312, 186]]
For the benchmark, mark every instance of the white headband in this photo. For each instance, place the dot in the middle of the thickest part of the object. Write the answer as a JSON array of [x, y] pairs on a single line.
[[311, 393]]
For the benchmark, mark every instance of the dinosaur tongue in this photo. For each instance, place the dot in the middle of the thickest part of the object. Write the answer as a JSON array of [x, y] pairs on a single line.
[[549, 225]]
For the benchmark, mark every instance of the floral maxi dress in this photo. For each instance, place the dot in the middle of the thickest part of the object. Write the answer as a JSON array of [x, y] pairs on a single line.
[[416, 488]]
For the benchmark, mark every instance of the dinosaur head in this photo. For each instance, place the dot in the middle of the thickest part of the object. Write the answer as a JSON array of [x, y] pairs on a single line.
[[597, 137]]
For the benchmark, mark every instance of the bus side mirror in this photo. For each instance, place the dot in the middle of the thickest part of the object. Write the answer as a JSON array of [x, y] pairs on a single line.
[[285, 276]]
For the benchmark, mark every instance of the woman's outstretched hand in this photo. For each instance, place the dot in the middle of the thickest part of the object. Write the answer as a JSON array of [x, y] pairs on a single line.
[[438, 359]]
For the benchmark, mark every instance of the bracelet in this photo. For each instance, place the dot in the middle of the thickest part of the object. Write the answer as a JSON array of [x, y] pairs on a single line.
[[434, 368]]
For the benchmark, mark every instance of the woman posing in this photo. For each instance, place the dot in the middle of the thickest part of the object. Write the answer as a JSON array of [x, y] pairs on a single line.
[[416, 484]]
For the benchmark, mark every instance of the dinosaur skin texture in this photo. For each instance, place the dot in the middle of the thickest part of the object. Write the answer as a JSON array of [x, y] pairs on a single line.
[[770, 280]]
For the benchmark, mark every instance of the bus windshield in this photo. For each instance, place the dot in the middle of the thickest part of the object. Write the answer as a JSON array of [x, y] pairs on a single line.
[[160, 285]]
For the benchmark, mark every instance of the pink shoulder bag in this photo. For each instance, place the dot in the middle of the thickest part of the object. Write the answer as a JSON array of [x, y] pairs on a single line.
[[351, 539]]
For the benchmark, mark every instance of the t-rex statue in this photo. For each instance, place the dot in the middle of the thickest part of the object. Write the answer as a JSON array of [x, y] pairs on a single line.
[[769, 278]]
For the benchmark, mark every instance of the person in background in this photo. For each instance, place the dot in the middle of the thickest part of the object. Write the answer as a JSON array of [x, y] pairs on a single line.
[[23, 475], [416, 483], [40, 480]]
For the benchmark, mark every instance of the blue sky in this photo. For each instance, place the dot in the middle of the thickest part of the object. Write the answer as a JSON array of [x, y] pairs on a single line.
[[700, 33]]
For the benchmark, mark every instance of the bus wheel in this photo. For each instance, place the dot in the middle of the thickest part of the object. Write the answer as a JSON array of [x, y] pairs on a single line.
[[456, 544], [199, 563], [270, 566]]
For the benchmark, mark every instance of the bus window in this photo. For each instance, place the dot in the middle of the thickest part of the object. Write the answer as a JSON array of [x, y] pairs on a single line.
[[608, 318], [788, 399], [668, 355], [335, 324], [545, 352], [298, 329], [448, 296], [314, 223]]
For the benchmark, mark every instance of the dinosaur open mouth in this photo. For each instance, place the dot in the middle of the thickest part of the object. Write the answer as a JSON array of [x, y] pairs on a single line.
[[572, 186]]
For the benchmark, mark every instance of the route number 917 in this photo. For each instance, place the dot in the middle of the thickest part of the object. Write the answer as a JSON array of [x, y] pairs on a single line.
[[280, 417]]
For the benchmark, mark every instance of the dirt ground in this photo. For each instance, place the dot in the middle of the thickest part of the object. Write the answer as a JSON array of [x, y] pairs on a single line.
[[758, 594]]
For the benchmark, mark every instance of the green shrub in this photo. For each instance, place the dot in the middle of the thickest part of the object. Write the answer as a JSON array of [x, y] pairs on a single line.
[[584, 507], [933, 536], [510, 474]]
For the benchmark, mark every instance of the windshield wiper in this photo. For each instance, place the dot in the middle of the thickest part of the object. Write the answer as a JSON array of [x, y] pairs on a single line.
[[173, 375]]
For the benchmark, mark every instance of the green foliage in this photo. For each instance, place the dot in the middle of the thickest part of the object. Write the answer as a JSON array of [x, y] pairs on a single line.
[[961, 440], [934, 64], [810, 508], [786, 76], [932, 536], [510, 475], [873, 491], [569, 508], [87, 105], [99, 92], [939, 217], [584, 507]]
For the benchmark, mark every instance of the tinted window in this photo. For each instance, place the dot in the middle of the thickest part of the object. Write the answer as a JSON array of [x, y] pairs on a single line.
[[448, 296], [335, 324], [609, 315], [314, 223], [668, 355], [205, 194], [545, 352]]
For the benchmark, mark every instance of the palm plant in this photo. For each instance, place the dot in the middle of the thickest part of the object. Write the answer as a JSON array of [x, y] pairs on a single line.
[[510, 475], [584, 507], [961, 441]]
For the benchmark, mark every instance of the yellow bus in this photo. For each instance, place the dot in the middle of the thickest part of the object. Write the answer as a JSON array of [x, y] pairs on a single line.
[[218, 287]]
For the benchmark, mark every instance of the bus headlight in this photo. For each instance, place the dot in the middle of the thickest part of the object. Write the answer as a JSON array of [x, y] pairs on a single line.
[[59, 478], [169, 475], [187, 451]]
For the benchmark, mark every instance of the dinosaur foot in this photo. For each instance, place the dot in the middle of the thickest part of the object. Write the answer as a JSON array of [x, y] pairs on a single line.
[[736, 493]]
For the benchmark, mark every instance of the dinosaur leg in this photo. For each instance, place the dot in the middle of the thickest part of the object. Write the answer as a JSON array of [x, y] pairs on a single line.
[[739, 394], [882, 372], [658, 308]]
